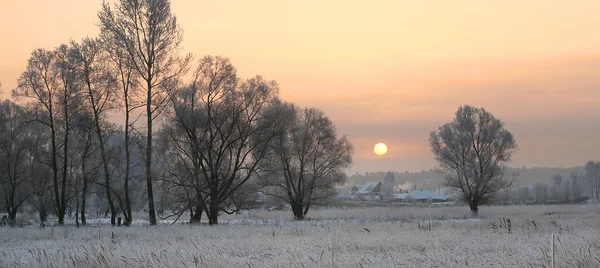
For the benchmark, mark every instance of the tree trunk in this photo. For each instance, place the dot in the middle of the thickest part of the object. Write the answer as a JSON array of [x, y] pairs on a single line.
[[43, 214], [128, 215], [306, 208], [309, 197], [213, 213], [63, 198], [77, 216], [61, 214], [474, 208], [127, 212], [85, 178], [95, 109], [196, 216], [12, 218], [83, 194], [61, 219], [111, 205], [151, 212], [77, 208], [213, 218], [83, 197], [297, 210]]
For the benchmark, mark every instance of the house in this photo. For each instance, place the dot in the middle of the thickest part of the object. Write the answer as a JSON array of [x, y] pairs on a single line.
[[421, 196], [369, 191]]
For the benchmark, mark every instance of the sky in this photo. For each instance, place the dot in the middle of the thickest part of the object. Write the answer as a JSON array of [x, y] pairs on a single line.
[[386, 71]]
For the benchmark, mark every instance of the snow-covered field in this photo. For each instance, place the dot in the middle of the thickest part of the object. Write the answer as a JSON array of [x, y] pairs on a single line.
[[373, 237]]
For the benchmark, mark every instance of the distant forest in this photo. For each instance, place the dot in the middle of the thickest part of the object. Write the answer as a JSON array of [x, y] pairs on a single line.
[[431, 179]]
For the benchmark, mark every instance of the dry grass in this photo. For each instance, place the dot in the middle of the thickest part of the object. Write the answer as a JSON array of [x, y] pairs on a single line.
[[375, 237]]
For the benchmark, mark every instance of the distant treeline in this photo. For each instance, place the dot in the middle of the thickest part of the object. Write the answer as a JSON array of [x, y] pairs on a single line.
[[431, 179]]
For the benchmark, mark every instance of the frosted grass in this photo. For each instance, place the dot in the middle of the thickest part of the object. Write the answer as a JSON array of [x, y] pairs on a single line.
[[375, 237]]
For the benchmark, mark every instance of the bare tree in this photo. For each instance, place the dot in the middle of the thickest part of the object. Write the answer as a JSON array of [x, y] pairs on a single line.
[[49, 82], [227, 128], [127, 164], [39, 82], [100, 87], [15, 143], [124, 69], [150, 35], [86, 147], [306, 162], [474, 149], [69, 101], [39, 170], [183, 185]]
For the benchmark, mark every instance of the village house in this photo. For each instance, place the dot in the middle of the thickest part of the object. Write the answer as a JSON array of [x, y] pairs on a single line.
[[369, 191]]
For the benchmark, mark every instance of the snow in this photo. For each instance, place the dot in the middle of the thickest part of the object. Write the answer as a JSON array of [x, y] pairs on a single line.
[[342, 237], [368, 187]]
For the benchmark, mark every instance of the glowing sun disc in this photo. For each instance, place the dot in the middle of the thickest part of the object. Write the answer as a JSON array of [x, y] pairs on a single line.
[[380, 149]]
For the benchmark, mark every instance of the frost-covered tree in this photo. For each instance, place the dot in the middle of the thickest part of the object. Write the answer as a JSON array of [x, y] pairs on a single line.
[[474, 149], [16, 142], [592, 172], [123, 68], [221, 130], [555, 190], [39, 171], [306, 161], [99, 90], [85, 147], [150, 35], [524, 194], [540, 193], [576, 185], [51, 89]]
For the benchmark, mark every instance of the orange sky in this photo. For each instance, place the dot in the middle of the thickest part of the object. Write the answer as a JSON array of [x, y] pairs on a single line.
[[385, 70]]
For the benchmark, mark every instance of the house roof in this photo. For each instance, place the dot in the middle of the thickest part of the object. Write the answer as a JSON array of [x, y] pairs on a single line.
[[367, 187]]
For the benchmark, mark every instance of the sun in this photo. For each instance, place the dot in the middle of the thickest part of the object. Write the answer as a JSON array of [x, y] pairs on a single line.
[[380, 149]]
